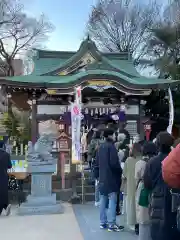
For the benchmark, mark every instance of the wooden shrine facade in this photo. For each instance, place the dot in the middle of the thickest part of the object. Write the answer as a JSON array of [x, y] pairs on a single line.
[[109, 82]]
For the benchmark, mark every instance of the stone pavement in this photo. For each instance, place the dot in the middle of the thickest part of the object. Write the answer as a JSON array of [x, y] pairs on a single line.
[[80, 224], [88, 218], [44, 227]]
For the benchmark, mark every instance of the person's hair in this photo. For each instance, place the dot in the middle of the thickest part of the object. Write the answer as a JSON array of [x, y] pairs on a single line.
[[108, 132], [164, 142], [97, 134], [149, 149], [176, 142], [2, 144], [136, 150], [121, 137]]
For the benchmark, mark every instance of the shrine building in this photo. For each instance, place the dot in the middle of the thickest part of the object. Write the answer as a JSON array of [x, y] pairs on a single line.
[[109, 83]]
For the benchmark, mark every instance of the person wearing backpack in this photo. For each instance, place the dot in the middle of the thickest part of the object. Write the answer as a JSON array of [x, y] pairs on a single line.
[[162, 219], [92, 150]]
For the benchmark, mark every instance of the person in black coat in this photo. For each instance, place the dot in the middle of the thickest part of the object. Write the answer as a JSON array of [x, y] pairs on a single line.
[[5, 164], [163, 220], [109, 172]]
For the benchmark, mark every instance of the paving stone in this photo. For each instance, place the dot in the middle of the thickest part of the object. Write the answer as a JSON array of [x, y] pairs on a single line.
[[88, 218], [43, 227]]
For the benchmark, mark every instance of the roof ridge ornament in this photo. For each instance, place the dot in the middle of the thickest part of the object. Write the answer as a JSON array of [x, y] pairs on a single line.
[[88, 38]]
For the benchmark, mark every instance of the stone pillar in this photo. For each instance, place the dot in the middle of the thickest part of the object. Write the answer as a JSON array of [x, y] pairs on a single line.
[[34, 125]]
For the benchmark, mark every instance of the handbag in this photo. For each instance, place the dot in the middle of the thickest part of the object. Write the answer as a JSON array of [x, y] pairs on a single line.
[[145, 194], [144, 197]]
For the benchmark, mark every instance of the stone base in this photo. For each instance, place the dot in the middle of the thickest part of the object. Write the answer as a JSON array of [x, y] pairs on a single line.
[[24, 209], [41, 201], [40, 206]]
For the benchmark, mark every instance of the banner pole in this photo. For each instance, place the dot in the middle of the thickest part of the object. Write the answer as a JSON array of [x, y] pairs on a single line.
[[171, 112], [82, 182]]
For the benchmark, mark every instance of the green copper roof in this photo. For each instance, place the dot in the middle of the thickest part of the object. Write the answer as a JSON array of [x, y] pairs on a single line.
[[45, 65], [118, 67], [48, 61], [73, 78]]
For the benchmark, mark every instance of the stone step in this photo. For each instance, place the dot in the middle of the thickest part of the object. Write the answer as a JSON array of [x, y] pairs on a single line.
[[87, 189], [63, 195], [89, 197]]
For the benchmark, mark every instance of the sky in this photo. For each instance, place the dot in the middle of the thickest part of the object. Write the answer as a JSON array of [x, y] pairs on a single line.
[[69, 18]]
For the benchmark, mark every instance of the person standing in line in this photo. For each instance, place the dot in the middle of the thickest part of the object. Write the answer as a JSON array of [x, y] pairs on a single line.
[[92, 149], [162, 219], [122, 129], [5, 164], [128, 173], [90, 134], [119, 146], [109, 172], [142, 213]]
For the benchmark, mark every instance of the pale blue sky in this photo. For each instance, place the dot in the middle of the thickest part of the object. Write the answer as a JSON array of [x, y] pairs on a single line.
[[68, 16]]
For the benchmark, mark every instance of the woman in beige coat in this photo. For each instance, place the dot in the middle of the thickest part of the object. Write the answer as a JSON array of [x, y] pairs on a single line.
[[128, 173], [142, 213]]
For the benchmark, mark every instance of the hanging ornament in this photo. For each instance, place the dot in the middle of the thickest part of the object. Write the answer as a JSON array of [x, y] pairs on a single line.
[[122, 111], [122, 107], [100, 111], [86, 111], [115, 117]]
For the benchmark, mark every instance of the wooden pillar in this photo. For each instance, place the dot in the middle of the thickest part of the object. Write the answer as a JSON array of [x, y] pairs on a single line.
[[34, 125]]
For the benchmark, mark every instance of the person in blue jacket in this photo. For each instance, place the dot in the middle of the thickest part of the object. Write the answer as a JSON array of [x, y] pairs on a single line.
[[109, 172]]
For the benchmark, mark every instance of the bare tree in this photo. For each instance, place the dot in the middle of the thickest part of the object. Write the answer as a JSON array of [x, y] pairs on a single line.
[[19, 32], [162, 50], [121, 25], [8, 10]]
